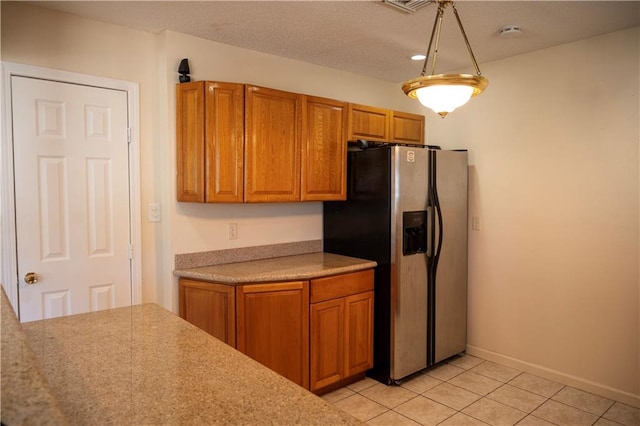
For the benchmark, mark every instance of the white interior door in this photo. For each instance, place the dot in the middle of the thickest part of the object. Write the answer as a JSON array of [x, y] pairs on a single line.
[[71, 197]]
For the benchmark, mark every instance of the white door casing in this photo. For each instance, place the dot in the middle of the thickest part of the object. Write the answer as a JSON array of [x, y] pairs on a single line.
[[76, 198]]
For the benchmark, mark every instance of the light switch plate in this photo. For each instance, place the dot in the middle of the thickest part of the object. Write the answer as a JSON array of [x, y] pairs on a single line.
[[153, 212]]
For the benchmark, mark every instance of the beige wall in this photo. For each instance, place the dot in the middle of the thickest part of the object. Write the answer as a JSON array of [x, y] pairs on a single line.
[[549, 163], [197, 227], [36, 36], [554, 153]]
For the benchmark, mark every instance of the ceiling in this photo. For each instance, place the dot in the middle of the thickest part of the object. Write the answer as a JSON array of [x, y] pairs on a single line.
[[368, 37]]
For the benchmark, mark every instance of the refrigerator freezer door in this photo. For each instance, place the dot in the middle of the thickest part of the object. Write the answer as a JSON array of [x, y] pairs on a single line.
[[409, 178], [451, 273]]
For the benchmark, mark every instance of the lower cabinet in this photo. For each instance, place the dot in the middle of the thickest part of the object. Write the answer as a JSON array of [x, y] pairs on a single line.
[[209, 306], [327, 343], [273, 327], [358, 333], [341, 327], [315, 333]]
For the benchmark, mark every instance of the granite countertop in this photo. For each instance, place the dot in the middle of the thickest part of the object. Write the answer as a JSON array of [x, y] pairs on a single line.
[[287, 268], [23, 384], [144, 365]]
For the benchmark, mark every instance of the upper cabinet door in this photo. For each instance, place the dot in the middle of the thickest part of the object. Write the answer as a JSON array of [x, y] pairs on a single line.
[[408, 128], [190, 141], [369, 123], [324, 149], [273, 128], [224, 134]]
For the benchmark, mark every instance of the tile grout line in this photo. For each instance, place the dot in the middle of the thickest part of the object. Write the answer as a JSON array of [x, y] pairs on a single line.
[[487, 397]]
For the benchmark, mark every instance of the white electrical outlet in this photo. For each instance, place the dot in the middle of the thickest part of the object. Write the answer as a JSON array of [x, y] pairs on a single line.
[[475, 223], [233, 231]]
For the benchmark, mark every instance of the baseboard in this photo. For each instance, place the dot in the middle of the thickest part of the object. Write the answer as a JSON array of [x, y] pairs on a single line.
[[566, 379]]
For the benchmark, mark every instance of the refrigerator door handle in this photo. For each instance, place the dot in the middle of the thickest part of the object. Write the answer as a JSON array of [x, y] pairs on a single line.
[[430, 241], [438, 229]]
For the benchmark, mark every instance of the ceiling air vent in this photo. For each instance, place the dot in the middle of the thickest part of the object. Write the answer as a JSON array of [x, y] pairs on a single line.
[[407, 6]]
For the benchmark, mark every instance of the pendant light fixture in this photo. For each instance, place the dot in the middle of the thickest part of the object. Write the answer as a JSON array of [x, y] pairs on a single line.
[[444, 93]]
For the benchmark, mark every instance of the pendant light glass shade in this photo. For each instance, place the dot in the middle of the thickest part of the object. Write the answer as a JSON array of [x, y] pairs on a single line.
[[443, 93]]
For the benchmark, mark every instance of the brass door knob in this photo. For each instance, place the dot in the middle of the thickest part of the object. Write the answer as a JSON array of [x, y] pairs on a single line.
[[31, 278]]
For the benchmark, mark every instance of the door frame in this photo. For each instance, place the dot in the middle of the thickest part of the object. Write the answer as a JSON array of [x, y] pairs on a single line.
[[8, 248]]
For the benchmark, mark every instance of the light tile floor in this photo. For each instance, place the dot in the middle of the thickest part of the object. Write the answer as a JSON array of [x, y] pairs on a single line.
[[467, 390]]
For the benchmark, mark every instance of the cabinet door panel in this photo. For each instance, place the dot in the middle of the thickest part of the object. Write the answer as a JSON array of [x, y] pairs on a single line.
[[272, 145], [327, 343], [273, 327], [359, 332], [224, 142], [324, 150], [211, 307], [369, 123], [407, 128], [190, 141]]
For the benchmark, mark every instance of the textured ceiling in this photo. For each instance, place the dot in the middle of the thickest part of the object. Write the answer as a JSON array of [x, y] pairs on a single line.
[[368, 37]]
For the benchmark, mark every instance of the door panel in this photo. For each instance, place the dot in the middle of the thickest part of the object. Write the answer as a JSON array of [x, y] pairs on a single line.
[[451, 278], [409, 282], [272, 145], [72, 191]]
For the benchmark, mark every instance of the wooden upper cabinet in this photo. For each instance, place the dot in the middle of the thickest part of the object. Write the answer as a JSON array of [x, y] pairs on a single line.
[[273, 131], [190, 141], [369, 123], [224, 135], [209, 141], [408, 128], [241, 143], [382, 125], [324, 149]]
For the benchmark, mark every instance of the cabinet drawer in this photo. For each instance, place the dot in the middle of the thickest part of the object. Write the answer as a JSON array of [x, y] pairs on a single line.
[[341, 285]]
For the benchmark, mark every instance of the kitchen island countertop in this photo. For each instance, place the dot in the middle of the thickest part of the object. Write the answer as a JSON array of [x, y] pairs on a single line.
[[144, 365], [286, 268]]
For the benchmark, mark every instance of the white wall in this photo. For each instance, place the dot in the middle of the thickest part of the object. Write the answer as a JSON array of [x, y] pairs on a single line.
[[36, 36], [554, 153], [554, 270]]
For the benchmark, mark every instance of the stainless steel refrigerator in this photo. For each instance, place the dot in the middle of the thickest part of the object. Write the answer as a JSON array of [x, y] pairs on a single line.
[[406, 209]]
